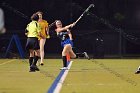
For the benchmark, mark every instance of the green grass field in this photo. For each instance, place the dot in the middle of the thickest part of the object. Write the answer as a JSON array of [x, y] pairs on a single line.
[[85, 76]]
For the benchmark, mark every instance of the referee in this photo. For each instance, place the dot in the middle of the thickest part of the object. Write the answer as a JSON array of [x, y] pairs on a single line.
[[32, 32]]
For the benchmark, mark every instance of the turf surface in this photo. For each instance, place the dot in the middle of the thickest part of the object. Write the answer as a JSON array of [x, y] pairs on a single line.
[[85, 76]]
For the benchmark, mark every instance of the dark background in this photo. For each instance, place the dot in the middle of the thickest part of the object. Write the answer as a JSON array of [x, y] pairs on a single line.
[[90, 34]]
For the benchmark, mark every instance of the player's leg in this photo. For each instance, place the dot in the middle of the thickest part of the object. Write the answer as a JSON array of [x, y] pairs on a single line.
[[77, 55], [36, 57], [64, 53], [71, 53], [36, 53], [68, 57], [31, 60], [31, 57], [42, 43], [29, 47]]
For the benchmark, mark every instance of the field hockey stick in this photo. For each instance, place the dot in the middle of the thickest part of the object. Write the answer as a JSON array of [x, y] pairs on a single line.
[[52, 24], [91, 5]]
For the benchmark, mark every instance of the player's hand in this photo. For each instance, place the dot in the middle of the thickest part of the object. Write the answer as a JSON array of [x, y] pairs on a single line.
[[73, 24], [43, 37]]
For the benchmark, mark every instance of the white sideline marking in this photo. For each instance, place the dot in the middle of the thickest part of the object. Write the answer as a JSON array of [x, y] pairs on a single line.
[[7, 62], [61, 81]]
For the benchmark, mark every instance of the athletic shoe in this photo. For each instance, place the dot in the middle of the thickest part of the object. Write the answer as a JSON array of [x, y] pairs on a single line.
[[86, 55], [32, 69], [139, 68], [137, 72], [64, 68], [36, 68], [41, 64]]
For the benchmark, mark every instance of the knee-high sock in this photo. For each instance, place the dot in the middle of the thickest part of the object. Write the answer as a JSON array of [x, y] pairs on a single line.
[[30, 61], [35, 60], [64, 61]]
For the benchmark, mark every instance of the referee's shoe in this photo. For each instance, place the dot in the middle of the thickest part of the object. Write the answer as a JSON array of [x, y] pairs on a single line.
[[33, 68]]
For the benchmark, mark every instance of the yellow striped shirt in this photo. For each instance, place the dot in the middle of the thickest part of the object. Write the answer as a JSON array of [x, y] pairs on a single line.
[[33, 29]]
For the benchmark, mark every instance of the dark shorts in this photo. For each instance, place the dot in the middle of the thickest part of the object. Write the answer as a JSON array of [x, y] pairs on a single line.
[[67, 41], [32, 43]]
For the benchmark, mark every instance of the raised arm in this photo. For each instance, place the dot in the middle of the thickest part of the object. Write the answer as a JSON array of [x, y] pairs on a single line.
[[70, 35], [64, 28]]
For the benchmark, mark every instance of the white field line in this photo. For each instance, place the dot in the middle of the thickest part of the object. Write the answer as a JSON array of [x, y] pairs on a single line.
[[61, 81], [7, 62]]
